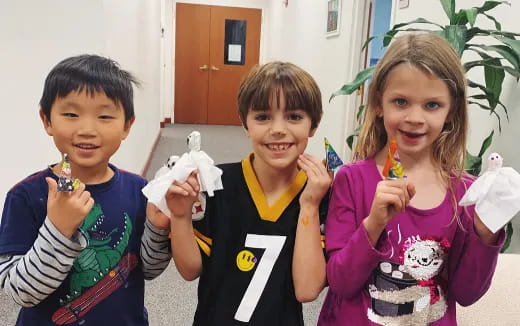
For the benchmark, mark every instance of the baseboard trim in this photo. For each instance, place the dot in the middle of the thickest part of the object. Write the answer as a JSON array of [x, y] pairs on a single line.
[[149, 159], [165, 121]]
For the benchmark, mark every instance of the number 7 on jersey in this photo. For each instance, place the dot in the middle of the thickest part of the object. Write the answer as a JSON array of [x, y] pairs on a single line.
[[273, 245]]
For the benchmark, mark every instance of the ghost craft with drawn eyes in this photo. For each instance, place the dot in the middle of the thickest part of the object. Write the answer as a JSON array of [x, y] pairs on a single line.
[[496, 194]]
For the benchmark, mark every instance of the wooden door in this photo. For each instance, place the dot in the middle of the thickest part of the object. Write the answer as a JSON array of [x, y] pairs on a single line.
[[207, 70], [225, 75], [191, 63]]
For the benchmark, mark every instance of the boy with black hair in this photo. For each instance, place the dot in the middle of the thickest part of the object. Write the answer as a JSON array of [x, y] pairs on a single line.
[[81, 257], [258, 249]]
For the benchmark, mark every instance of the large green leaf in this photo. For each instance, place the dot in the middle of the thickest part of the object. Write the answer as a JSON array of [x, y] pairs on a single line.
[[505, 51], [348, 89], [498, 26], [513, 44], [472, 164], [509, 235], [415, 21], [449, 9], [485, 96], [486, 143], [467, 16], [488, 5], [494, 78], [456, 35], [476, 31], [491, 111]]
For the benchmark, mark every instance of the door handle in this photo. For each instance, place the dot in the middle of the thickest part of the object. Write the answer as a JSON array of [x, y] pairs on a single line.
[[204, 67], [214, 68]]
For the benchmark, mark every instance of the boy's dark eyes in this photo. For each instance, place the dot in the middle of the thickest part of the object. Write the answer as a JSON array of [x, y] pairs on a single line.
[[69, 115], [261, 117], [295, 116], [106, 117]]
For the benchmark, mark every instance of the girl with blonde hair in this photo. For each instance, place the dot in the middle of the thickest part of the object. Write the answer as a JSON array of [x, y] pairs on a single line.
[[401, 251]]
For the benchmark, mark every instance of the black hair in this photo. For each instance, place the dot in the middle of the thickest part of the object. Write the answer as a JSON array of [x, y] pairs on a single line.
[[89, 73]]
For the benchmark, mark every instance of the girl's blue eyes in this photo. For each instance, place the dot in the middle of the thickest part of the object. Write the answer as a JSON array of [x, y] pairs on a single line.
[[430, 105], [400, 102]]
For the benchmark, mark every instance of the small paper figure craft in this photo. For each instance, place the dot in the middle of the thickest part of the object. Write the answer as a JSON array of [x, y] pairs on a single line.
[[393, 168], [170, 162], [195, 159], [332, 160], [65, 181], [496, 194]]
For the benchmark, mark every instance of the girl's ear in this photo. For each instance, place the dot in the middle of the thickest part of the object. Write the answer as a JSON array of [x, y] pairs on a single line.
[[312, 132], [46, 123]]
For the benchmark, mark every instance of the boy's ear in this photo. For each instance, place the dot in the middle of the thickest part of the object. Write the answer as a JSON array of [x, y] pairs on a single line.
[[46, 123], [127, 127]]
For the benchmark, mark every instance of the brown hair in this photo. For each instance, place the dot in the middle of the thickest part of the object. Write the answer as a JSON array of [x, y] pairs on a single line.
[[263, 81], [433, 55]]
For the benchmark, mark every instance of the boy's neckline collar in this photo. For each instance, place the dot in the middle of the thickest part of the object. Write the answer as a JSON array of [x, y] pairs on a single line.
[[266, 212]]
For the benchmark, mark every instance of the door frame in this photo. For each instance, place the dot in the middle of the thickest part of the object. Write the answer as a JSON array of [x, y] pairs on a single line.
[[359, 31], [169, 45]]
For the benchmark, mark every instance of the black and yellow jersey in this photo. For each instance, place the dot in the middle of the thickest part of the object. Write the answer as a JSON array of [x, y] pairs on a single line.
[[247, 250]]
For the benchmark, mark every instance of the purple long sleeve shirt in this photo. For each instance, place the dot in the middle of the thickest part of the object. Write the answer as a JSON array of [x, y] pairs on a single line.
[[423, 263]]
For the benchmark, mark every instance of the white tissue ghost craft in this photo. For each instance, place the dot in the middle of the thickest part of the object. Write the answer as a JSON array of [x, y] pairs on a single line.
[[209, 175], [496, 194], [170, 162]]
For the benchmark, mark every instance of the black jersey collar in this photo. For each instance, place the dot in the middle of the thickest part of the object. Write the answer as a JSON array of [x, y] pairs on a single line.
[[266, 212]]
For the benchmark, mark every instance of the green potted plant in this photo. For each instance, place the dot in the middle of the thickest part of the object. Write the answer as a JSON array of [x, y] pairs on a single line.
[[500, 54]]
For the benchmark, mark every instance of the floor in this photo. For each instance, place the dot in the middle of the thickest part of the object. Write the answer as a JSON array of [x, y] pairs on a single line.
[[169, 299]]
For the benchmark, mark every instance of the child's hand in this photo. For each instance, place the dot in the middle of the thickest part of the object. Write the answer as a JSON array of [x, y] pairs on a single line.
[[156, 217], [67, 210], [180, 197], [318, 180], [391, 198]]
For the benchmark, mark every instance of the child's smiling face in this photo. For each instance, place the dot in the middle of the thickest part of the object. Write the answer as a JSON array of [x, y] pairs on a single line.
[[278, 136], [88, 128], [414, 106]]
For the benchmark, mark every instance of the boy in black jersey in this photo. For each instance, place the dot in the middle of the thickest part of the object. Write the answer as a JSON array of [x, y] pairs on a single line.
[[258, 249]]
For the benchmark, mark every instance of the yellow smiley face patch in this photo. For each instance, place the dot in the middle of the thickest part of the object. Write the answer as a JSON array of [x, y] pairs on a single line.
[[246, 260]]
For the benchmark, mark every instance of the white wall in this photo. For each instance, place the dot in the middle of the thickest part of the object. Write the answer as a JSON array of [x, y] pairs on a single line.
[[297, 34], [36, 35]]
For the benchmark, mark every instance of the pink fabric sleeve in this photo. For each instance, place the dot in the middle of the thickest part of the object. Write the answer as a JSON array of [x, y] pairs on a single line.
[[351, 257]]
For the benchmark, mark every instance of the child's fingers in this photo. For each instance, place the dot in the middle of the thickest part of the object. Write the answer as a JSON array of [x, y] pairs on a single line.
[[312, 164], [89, 204], [392, 199], [53, 187], [411, 190], [193, 182], [84, 197], [395, 192], [182, 189], [80, 190]]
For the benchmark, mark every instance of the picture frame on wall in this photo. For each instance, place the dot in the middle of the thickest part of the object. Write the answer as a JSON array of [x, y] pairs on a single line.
[[333, 17]]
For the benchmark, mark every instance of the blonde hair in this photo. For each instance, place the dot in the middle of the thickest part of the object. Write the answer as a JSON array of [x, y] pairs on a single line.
[[263, 81], [433, 55]]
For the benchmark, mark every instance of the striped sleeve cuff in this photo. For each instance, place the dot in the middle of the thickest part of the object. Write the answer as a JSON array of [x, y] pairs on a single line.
[[155, 250], [32, 277]]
